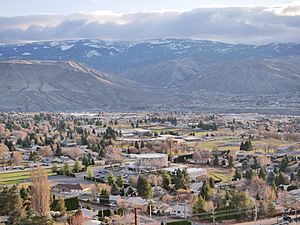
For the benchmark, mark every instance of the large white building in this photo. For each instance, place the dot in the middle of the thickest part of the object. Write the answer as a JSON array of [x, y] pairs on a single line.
[[151, 161]]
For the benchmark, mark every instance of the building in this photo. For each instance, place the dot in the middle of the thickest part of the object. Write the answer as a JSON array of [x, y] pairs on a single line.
[[151, 161], [71, 188], [180, 210]]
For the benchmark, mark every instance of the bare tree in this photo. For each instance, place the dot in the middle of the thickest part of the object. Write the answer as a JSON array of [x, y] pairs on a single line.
[[3, 152], [40, 191], [16, 158], [209, 207], [46, 151]]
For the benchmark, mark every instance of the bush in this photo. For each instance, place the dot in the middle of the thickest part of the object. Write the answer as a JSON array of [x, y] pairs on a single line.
[[72, 203], [180, 222], [291, 187]]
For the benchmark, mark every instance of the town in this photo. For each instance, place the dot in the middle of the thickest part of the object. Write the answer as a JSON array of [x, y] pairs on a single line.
[[149, 168]]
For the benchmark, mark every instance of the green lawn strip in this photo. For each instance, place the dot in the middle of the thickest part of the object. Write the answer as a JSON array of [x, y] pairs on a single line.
[[18, 177], [220, 176]]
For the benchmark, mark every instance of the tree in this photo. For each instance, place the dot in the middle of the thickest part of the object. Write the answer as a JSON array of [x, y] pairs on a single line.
[[40, 192], [78, 218], [3, 152], [90, 172], [77, 166], [249, 174], [181, 179], [60, 206], [58, 151], [166, 180], [67, 169], [230, 162], [216, 160], [16, 158], [280, 179], [143, 187], [24, 193], [120, 182], [110, 178], [198, 206], [262, 173], [136, 145], [19, 212], [206, 191], [237, 175], [104, 197], [209, 207], [85, 161], [242, 201], [284, 163]]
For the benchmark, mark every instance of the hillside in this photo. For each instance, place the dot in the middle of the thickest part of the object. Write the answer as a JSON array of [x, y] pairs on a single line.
[[51, 86]]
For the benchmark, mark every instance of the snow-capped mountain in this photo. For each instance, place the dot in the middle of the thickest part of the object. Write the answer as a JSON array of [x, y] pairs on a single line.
[[116, 55]]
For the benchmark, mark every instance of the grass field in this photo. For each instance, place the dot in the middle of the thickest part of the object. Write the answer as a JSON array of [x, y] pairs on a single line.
[[220, 176], [17, 177]]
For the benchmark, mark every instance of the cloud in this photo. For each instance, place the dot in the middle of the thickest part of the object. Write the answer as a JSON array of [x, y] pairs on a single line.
[[234, 25]]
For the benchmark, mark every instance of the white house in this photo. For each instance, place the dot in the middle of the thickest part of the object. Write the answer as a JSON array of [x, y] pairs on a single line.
[[180, 210]]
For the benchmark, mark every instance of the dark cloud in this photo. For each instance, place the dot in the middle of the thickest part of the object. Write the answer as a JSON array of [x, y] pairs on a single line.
[[245, 25]]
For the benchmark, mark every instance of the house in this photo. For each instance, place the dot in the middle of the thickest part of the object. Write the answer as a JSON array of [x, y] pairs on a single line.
[[136, 202], [195, 187], [158, 191], [92, 222], [72, 188], [164, 209], [90, 214], [296, 194], [180, 210], [115, 199], [3, 220]]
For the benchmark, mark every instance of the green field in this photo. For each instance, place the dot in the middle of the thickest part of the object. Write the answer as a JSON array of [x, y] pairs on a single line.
[[220, 176], [17, 177]]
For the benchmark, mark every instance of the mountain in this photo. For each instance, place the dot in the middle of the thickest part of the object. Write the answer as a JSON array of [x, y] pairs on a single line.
[[160, 74], [58, 86], [255, 77]]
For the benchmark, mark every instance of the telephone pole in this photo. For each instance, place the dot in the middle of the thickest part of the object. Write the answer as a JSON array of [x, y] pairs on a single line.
[[135, 217]]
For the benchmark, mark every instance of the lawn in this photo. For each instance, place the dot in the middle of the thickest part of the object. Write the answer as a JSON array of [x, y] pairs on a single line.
[[17, 177], [220, 176]]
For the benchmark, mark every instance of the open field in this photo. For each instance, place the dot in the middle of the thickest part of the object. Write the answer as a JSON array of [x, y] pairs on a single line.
[[17, 177]]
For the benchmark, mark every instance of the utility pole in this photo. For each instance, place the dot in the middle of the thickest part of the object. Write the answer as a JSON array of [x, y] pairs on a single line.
[[135, 217], [255, 217]]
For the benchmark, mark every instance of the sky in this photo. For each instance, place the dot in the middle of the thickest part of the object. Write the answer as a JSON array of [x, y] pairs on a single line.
[[224, 20]]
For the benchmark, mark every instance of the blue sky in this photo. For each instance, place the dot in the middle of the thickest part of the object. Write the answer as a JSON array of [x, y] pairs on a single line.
[[229, 21]]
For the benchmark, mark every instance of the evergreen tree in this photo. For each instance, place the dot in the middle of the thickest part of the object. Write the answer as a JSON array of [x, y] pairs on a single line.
[[181, 179], [120, 182], [249, 174], [166, 180], [110, 178], [60, 206], [262, 173], [143, 187], [136, 145], [237, 175], [284, 164], [198, 206], [280, 179], [206, 191], [216, 160]]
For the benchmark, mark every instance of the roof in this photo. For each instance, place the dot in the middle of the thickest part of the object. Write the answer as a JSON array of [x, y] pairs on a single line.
[[151, 155], [79, 187], [136, 201]]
